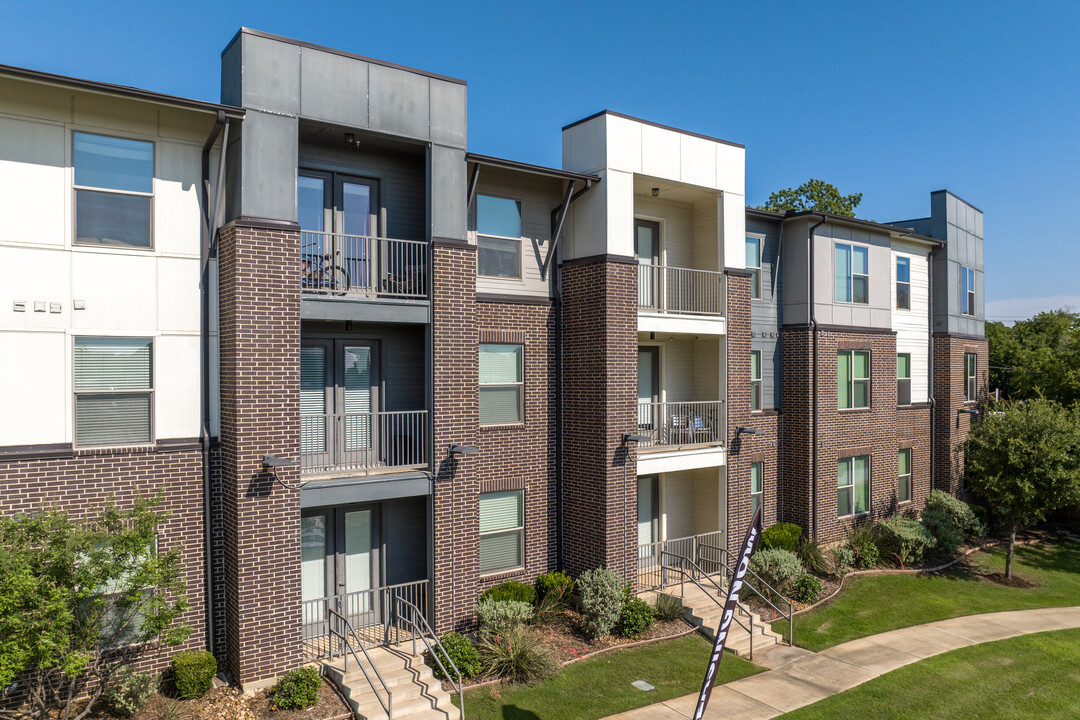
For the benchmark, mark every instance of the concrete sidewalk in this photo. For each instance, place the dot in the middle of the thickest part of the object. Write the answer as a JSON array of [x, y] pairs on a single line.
[[801, 677]]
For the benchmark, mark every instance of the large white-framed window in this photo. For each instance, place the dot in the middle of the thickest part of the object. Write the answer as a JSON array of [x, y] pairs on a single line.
[[967, 290], [852, 379], [502, 384], [114, 391], [853, 485], [753, 264], [502, 531], [498, 237], [851, 273], [755, 380], [903, 488], [903, 283], [903, 378], [757, 486], [969, 377], [114, 191]]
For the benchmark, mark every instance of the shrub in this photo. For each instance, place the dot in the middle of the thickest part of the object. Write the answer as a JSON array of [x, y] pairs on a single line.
[[128, 692], [812, 556], [461, 652], [193, 673], [863, 542], [518, 656], [668, 608], [843, 559], [511, 590], [784, 536], [296, 690], [555, 584], [500, 615], [905, 539], [602, 599], [948, 535], [777, 567], [807, 588], [637, 617], [960, 512]]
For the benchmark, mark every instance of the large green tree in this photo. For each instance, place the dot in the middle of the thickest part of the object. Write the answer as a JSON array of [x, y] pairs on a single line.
[[1039, 357], [79, 599], [813, 195], [1024, 460]]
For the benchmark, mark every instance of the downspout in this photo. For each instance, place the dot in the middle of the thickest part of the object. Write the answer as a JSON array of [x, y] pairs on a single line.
[[930, 370], [209, 220], [778, 374], [814, 383]]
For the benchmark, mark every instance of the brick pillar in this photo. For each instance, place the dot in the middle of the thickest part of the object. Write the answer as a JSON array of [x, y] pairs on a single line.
[[455, 419], [951, 427], [599, 404], [796, 438], [259, 290]]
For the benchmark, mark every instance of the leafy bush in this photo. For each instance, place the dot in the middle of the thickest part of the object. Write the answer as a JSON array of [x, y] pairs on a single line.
[[296, 690], [668, 608], [518, 656], [500, 615], [812, 556], [863, 541], [128, 692], [193, 673], [511, 590], [555, 584], [777, 567], [807, 588], [843, 559], [948, 535], [602, 599], [637, 617], [461, 652], [784, 536], [960, 512], [904, 539]]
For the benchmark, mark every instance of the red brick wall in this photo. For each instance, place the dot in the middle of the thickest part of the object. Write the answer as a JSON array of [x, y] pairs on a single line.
[[599, 405], [796, 439], [260, 415], [951, 427]]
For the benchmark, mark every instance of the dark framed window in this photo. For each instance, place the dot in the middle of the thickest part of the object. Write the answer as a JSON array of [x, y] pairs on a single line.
[[851, 273], [757, 486], [903, 378], [498, 237], [114, 391], [853, 485], [114, 191], [502, 531], [969, 377], [853, 379], [903, 283], [755, 380], [753, 265], [967, 291], [502, 384], [903, 489]]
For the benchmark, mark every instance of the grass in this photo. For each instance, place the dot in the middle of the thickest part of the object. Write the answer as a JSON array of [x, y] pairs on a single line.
[[878, 603], [600, 686], [1032, 676]]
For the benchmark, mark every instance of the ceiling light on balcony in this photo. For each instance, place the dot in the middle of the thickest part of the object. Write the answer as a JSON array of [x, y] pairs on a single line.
[[656, 192]]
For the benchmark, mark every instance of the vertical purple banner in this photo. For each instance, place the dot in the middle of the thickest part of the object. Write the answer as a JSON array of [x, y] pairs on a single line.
[[749, 545]]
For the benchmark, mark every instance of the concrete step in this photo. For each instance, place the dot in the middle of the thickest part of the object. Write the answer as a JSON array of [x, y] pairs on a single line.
[[415, 692], [703, 608]]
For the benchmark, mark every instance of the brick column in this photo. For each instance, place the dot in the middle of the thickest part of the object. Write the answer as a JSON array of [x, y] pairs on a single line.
[[260, 415], [599, 404], [796, 433], [951, 427], [455, 418]]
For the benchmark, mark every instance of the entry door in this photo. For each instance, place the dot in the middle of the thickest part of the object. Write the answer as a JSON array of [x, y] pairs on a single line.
[[339, 563], [356, 400], [647, 250], [356, 566], [355, 204], [648, 510], [648, 390]]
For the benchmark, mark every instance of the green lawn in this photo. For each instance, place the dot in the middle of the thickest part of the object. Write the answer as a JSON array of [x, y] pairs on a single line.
[[600, 686], [877, 603], [1033, 676]]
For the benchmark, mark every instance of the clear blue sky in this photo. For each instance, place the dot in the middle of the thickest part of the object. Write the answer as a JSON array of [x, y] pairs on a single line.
[[893, 100]]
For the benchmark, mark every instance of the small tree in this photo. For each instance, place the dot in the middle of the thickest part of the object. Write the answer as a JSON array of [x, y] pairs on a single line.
[[1025, 461], [79, 599], [814, 195]]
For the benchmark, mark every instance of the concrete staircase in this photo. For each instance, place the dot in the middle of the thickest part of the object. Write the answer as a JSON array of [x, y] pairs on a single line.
[[416, 693], [705, 614]]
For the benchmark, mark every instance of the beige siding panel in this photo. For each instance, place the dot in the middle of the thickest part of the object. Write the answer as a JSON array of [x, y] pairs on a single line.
[[677, 503], [706, 236], [706, 500], [676, 228], [33, 182]]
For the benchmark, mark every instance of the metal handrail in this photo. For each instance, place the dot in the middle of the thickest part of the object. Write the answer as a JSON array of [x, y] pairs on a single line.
[[349, 649], [669, 289], [720, 605], [418, 631], [790, 615], [371, 265]]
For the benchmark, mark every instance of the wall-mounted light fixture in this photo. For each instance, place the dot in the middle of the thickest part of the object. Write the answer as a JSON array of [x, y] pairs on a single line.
[[656, 192], [456, 449], [968, 411], [350, 139], [740, 430], [273, 462], [627, 437]]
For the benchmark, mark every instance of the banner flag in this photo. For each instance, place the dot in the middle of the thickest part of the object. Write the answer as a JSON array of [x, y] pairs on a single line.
[[749, 545]]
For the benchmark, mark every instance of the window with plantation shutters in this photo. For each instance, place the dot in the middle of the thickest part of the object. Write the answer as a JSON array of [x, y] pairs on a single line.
[[502, 531], [114, 391], [501, 384]]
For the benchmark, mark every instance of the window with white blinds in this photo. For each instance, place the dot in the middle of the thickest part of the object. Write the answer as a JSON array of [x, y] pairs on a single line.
[[312, 399], [501, 384], [114, 387], [502, 532], [357, 398]]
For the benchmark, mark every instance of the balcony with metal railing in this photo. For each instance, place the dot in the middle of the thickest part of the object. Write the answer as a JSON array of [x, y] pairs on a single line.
[[680, 291], [669, 425], [363, 443]]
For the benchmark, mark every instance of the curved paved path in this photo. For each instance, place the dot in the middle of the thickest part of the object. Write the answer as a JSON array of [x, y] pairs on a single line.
[[801, 677]]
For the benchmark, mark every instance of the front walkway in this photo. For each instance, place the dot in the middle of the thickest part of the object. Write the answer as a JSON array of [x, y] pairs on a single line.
[[801, 677]]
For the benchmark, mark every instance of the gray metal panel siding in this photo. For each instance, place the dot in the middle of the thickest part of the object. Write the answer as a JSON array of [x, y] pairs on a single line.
[[961, 226], [271, 75], [269, 148], [335, 88], [794, 266], [399, 102], [405, 539], [448, 113], [765, 316], [447, 185]]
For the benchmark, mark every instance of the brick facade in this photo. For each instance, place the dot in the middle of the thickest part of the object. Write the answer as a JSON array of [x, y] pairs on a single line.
[[951, 427], [259, 290], [599, 405]]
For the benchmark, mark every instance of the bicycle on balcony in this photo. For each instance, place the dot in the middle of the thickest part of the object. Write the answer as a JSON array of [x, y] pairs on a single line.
[[318, 273]]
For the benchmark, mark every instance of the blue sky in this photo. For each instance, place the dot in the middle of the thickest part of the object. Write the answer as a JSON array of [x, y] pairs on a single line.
[[893, 100]]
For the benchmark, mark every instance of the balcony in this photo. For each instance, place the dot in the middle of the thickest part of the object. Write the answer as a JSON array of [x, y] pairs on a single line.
[[679, 424], [681, 300], [363, 443]]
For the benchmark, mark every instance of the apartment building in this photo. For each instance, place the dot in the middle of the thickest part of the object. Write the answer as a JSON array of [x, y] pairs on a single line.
[[372, 370]]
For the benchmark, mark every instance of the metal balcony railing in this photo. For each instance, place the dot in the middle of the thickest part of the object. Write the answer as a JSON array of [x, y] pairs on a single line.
[[339, 442], [360, 266], [668, 424], [372, 614], [680, 291]]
